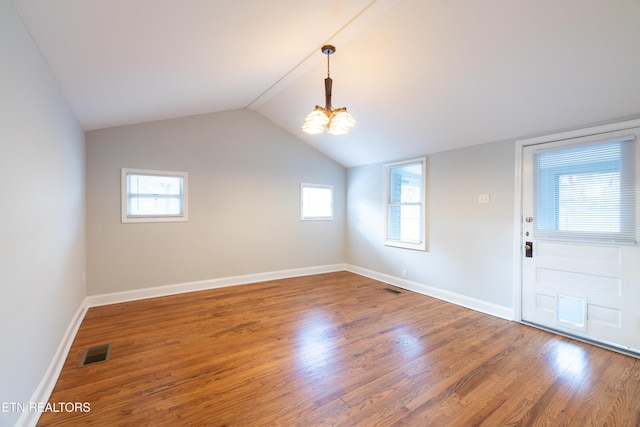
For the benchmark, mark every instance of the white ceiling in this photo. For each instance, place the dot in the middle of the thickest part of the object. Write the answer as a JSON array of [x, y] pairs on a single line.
[[420, 76]]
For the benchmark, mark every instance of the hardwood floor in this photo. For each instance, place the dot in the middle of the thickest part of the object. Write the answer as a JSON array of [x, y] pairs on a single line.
[[334, 350]]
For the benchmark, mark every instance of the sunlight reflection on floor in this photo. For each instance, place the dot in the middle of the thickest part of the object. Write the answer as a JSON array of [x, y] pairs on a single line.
[[408, 344], [315, 344], [571, 361]]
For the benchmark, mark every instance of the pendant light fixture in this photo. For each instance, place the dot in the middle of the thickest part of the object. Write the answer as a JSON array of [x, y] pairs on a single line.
[[336, 121]]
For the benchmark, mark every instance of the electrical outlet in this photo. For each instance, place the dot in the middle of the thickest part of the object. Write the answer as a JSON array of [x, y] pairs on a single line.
[[484, 198], [405, 274]]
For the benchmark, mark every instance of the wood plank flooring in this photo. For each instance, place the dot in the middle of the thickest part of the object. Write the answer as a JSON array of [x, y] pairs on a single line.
[[334, 349]]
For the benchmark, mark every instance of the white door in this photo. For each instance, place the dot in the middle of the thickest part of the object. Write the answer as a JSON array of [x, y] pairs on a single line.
[[580, 262]]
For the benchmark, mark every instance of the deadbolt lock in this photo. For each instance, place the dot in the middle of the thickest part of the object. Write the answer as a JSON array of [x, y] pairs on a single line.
[[528, 249]]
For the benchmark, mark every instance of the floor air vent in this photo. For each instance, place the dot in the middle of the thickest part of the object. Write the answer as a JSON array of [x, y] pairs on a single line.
[[96, 354], [392, 291]]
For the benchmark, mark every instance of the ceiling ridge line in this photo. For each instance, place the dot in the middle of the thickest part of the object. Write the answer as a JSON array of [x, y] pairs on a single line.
[[306, 58]]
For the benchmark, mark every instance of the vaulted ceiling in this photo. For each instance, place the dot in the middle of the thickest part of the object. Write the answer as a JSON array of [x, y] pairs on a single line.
[[419, 76]]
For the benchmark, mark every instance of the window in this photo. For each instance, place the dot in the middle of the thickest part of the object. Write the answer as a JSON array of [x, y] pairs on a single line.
[[153, 196], [405, 207], [586, 192], [316, 202]]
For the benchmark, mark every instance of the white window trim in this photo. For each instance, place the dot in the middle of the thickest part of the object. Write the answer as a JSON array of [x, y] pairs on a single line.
[[315, 218], [422, 244], [125, 218]]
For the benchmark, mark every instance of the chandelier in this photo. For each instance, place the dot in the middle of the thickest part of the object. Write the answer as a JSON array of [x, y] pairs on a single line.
[[336, 121]]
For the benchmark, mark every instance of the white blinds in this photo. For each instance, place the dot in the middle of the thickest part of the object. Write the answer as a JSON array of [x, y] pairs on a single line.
[[586, 192]]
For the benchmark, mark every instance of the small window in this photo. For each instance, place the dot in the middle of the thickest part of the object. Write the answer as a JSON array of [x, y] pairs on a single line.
[[316, 202], [153, 196], [405, 208]]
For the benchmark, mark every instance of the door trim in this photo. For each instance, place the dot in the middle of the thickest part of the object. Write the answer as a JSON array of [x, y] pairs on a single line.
[[518, 243]]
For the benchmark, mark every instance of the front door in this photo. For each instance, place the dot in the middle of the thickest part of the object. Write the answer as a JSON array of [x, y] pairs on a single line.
[[580, 262]]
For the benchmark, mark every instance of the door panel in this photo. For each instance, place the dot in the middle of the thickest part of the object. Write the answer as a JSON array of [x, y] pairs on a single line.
[[587, 289]]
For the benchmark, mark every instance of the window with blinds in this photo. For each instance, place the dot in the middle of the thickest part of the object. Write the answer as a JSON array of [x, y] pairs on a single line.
[[405, 208], [153, 196], [586, 192]]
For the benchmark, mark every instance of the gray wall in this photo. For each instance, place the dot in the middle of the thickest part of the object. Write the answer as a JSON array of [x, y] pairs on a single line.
[[244, 203], [42, 215], [469, 245]]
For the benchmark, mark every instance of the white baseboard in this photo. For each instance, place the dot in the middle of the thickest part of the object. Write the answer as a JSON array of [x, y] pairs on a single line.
[[201, 285], [448, 296], [43, 392], [48, 382]]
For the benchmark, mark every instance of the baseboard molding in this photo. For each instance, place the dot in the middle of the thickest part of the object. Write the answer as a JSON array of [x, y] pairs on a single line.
[[43, 392], [45, 388], [448, 296], [48, 382], [201, 285]]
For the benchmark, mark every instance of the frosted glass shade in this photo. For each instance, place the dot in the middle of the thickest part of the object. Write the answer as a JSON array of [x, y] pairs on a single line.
[[341, 122], [337, 122], [316, 121]]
